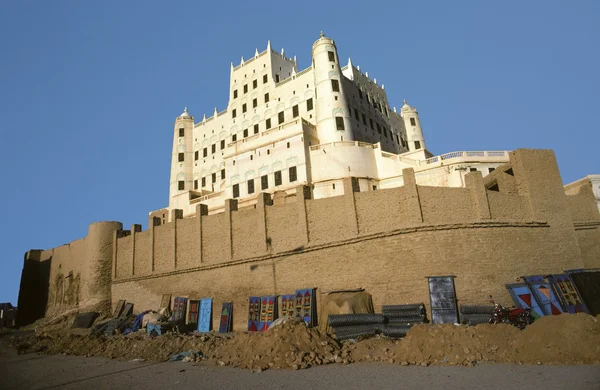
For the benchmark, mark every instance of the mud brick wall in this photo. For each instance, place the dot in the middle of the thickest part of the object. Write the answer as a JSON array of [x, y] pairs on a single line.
[[385, 241]]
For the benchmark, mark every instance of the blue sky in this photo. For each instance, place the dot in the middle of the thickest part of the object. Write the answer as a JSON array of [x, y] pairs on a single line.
[[89, 90]]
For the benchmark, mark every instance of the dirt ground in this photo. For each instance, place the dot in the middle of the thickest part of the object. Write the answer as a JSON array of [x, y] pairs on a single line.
[[564, 339]]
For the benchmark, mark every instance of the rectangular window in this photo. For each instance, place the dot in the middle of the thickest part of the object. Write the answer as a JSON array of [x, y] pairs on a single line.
[[266, 97], [234, 138], [264, 79], [196, 184], [360, 94], [356, 114], [203, 182], [254, 103], [245, 133], [236, 190], [235, 93], [413, 122], [213, 148], [233, 113], [222, 144], [276, 78], [205, 152], [335, 86], [331, 56], [472, 169], [181, 185], [222, 174], [268, 124], [309, 104], [264, 182], [254, 84], [180, 157], [371, 124], [368, 101], [417, 145], [277, 175], [196, 155], [256, 128], [339, 123], [244, 108], [386, 111], [364, 119], [245, 88], [293, 174], [281, 117], [181, 132], [295, 111], [251, 186], [214, 177]]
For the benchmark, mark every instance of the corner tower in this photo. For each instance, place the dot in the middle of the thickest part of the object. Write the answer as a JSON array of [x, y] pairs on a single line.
[[182, 158], [333, 118], [414, 133]]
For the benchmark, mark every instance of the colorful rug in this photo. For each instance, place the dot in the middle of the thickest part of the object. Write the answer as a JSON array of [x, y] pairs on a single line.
[[288, 305]]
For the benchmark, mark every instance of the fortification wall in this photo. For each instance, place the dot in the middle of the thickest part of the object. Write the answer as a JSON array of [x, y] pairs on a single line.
[[386, 241], [77, 274]]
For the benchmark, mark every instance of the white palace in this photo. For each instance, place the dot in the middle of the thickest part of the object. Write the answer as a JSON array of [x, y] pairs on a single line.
[[283, 128]]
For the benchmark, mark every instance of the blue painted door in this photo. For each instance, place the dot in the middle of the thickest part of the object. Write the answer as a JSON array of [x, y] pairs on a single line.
[[544, 294], [524, 298], [567, 293], [205, 317]]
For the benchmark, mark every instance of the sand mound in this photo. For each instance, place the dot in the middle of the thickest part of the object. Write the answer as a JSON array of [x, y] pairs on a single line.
[[564, 339]]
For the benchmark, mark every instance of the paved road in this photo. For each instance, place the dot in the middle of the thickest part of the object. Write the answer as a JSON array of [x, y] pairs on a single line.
[[33, 371]]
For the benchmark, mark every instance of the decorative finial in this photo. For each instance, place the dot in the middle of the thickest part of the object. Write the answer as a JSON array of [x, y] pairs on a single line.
[[256, 52], [282, 52], [382, 86], [232, 66], [204, 118], [185, 109], [405, 102], [394, 108], [242, 63], [269, 45], [375, 81], [322, 35]]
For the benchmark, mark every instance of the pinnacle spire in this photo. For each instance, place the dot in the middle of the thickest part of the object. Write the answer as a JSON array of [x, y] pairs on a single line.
[[269, 45], [256, 52]]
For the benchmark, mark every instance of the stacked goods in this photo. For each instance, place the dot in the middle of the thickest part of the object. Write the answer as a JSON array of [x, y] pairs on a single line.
[[351, 326], [475, 314], [400, 318]]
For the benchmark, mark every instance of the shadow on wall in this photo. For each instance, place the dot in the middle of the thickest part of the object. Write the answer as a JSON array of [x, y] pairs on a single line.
[[35, 283]]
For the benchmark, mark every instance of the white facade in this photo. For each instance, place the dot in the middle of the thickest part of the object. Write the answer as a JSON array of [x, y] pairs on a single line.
[[283, 128]]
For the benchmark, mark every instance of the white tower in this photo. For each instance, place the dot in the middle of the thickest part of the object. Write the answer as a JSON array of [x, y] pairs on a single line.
[[333, 118], [182, 159], [414, 133]]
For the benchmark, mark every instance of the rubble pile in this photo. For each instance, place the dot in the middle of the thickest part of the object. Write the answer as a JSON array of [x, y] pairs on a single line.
[[564, 339]]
